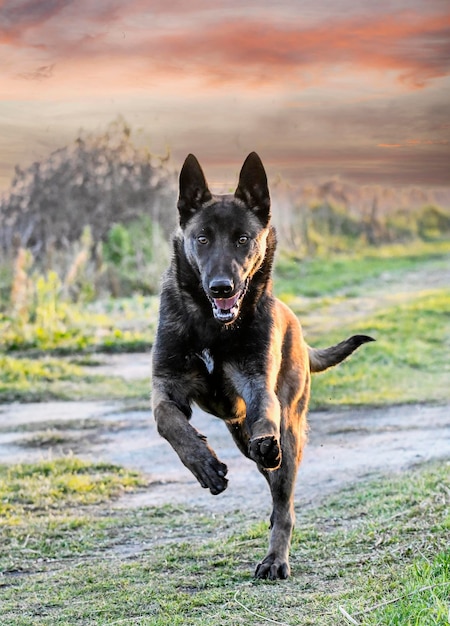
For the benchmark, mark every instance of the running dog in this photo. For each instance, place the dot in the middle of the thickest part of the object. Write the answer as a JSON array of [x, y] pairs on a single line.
[[227, 344]]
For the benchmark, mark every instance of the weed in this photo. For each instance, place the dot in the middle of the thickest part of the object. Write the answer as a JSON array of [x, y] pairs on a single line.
[[408, 363], [137, 255]]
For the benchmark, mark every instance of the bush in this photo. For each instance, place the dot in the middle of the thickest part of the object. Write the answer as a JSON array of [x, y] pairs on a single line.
[[136, 255], [97, 181], [433, 222], [326, 227]]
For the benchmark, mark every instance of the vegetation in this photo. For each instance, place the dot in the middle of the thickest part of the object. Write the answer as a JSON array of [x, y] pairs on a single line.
[[376, 553], [350, 273], [58, 484], [42, 379], [99, 213], [43, 320], [340, 222], [409, 362], [88, 227], [358, 293], [97, 181], [136, 257]]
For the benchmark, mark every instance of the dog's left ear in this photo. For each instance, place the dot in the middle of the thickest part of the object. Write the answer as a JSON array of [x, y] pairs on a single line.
[[253, 189], [194, 190]]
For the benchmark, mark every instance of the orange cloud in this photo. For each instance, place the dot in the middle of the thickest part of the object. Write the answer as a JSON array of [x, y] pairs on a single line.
[[409, 143], [189, 71], [427, 142], [412, 46], [20, 17]]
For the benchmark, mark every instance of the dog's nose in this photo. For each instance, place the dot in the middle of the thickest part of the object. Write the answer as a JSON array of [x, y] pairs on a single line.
[[221, 287]]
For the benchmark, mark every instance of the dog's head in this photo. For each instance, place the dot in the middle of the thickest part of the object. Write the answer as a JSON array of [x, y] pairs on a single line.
[[225, 236]]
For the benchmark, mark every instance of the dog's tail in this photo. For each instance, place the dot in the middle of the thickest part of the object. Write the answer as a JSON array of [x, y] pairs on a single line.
[[321, 359]]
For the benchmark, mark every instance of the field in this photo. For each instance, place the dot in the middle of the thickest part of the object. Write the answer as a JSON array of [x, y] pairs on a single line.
[[379, 552], [400, 296], [75, 548]]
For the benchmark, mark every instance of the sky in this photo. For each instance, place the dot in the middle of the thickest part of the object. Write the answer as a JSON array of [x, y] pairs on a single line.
[[319, 88]]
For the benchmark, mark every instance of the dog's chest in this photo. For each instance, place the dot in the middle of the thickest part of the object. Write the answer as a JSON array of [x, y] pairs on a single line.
[[207, 359], [215, 395]]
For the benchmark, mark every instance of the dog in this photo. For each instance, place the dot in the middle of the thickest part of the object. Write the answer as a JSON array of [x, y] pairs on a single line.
[[227, 344]]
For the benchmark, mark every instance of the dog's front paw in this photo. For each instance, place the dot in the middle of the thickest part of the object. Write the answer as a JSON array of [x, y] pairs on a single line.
[[273, 568], [266, 451], [202, 461], [211, 474]]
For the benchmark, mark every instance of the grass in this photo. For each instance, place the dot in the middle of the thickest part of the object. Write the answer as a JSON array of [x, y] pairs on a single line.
[[317, 277], [47, 378], [377, 551], [59, 483], [423, 595], [408, 363], [60, 328]]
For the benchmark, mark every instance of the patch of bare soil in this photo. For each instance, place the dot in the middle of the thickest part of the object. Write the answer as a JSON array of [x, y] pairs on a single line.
[[378, 293], [344, 447]]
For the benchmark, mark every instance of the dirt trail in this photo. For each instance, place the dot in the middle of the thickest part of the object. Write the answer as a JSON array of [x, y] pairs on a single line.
[[344, 447], [388, 289]]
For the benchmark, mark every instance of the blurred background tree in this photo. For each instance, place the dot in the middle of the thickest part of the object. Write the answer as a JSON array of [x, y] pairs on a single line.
[[96, 181], [103, 185], [100, 212]]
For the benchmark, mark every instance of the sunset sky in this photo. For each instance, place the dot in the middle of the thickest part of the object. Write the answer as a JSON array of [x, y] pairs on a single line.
[[318, 88]]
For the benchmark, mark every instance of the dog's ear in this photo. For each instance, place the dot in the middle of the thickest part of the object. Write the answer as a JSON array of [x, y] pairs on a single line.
[[193, 189], [252, 188]]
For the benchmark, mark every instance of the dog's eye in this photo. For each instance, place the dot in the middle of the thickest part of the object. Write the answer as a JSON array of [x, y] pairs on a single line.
[[243, 239], [202, 239]]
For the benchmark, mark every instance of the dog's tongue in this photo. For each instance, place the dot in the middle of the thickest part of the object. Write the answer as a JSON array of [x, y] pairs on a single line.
[[225, 304]]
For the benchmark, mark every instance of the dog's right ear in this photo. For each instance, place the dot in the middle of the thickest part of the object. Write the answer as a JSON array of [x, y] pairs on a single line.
[[194, 190]]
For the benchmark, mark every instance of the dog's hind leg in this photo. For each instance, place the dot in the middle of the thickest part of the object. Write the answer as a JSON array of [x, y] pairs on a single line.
[[282, 484]]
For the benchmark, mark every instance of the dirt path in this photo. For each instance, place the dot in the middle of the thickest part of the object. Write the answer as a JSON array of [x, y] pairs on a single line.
[[375, 294], [344, 447]]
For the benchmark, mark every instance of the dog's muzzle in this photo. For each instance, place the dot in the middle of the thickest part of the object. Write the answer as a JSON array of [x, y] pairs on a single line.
[[226, 310]]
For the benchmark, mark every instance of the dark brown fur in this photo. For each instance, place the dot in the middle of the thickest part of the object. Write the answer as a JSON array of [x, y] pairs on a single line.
[[226, 343]]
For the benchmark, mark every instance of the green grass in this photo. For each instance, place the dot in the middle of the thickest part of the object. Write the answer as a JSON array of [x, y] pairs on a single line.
[[59, 483], [41, 379], [123, 325], [423, 598], [325, 276], [378, 550], [408, 363]]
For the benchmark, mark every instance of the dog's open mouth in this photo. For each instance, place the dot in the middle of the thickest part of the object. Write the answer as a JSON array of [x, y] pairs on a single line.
[[226, 310]]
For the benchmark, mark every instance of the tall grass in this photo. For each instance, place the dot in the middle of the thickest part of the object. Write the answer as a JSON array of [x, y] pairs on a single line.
[[324, 228], [51, 308]]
